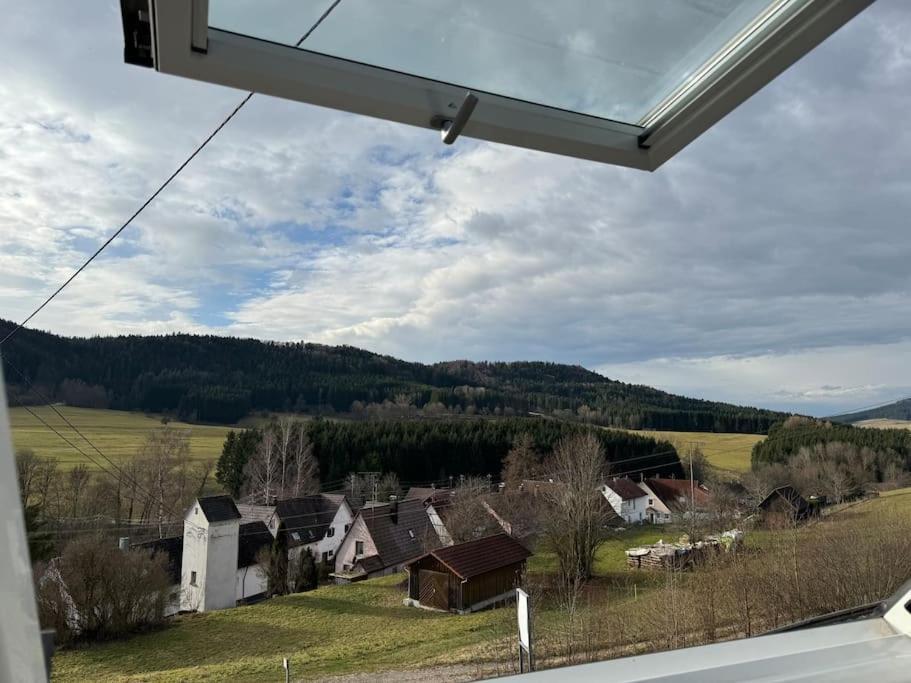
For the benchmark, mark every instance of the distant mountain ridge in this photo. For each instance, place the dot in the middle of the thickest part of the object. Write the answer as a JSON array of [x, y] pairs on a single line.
[[221, 379], [899, 410]]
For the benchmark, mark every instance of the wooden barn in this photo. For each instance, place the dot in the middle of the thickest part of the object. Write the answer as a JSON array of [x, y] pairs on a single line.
[[469, 576]]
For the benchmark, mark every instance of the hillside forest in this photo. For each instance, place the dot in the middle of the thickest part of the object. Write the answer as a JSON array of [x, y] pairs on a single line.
[[222, 379]]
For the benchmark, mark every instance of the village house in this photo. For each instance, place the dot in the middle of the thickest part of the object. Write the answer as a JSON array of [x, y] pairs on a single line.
[[467, 577], [436, 502], [675, 499], [317, 523], [218, 563], [382, 538], [628, 500]]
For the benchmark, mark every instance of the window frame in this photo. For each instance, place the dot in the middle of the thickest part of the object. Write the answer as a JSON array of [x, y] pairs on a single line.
[[183, 44]]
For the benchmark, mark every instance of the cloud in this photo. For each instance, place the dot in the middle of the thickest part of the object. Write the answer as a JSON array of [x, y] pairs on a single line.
[[780, 234]]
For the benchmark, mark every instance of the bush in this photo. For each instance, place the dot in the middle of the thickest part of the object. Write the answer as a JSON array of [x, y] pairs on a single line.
[[94, 591]]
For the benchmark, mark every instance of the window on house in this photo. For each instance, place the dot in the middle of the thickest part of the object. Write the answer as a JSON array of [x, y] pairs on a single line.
[[196, 510], [358, 547], [651, 502], [325, 557], [330, 532], [192, 578], [347, 526], [296, 536]]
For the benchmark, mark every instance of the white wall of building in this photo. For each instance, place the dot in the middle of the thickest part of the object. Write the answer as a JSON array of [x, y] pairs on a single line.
[[632, 511], [208, 571], [662, 513], [249, 582], [346, 555], [437, 522]]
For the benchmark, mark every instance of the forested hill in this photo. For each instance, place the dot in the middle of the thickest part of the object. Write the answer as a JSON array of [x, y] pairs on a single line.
[[900, 410], [221, 379]]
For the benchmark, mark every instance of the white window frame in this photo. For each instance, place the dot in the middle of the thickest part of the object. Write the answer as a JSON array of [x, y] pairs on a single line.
[[184, 45]]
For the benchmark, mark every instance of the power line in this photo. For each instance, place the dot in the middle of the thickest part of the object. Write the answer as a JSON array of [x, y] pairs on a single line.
[[158, 191]]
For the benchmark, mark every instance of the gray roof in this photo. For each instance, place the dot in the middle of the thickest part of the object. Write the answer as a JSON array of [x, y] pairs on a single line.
[[305, 520], [218, 508], [400, 533], [254, 513]]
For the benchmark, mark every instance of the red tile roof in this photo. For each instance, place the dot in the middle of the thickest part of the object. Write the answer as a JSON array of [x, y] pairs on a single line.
[[473, 558], [671, 491]]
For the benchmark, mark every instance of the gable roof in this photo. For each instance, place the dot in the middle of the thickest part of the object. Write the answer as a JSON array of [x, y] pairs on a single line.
[[789, 495], [626, 488], [671, 491], [305, 520], [473, 558], [171, 548], [253, 537], [252, 513], [218, 508], [400, 534]]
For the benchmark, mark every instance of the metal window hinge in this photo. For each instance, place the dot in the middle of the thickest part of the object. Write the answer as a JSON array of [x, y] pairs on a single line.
[[451, 128]]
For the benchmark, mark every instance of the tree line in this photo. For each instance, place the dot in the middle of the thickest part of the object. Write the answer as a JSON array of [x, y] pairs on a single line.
[[222, 379], [424, 451], [786, 438]]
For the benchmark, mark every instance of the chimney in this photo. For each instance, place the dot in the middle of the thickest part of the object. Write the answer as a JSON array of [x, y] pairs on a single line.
[[394, 509], [124, 543]]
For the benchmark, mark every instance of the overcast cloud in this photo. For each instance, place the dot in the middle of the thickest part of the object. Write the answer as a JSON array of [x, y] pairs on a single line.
[[766, 264]]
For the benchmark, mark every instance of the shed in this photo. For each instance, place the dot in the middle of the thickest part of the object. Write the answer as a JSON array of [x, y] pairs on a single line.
[[469, 576], [784, 506]]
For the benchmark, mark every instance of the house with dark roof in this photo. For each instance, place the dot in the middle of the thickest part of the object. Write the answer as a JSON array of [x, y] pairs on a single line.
[[218, 556], [784, 506], [467, 577], [317, 523], [383, 538], [626, 498]]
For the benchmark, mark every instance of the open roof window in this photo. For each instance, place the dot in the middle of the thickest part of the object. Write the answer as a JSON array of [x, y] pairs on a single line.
[[627, 82]]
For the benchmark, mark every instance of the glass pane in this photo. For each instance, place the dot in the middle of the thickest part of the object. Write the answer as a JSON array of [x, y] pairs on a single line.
[[614, 59]]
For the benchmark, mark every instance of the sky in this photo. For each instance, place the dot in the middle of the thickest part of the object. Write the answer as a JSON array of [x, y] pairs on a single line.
[[766, 264]]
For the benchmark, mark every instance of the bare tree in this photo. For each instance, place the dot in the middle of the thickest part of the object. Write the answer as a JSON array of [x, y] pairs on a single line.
[[305, 465], [204, 469], [263, 470], [165, 456], [521, 462], [95, 591], [78, 481], [578, 515], [387, 486], [465, 517]]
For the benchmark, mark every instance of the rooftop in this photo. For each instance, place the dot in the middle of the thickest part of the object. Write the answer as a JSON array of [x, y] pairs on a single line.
[[473, 558]]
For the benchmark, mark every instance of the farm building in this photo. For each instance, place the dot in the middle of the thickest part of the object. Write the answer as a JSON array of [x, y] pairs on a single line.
[[469, 576], [784, 506]]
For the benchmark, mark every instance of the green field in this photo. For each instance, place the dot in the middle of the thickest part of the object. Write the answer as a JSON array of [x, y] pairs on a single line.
[[336, 629], [727, 452], [117, 434]]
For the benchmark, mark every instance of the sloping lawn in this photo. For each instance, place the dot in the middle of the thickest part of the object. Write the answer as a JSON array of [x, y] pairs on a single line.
[[332, 630], [727, 452], [118, 434]]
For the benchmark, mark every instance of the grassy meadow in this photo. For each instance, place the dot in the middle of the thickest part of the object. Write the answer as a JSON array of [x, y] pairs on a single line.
[[364, 628], [726, 452], [117, 434]]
